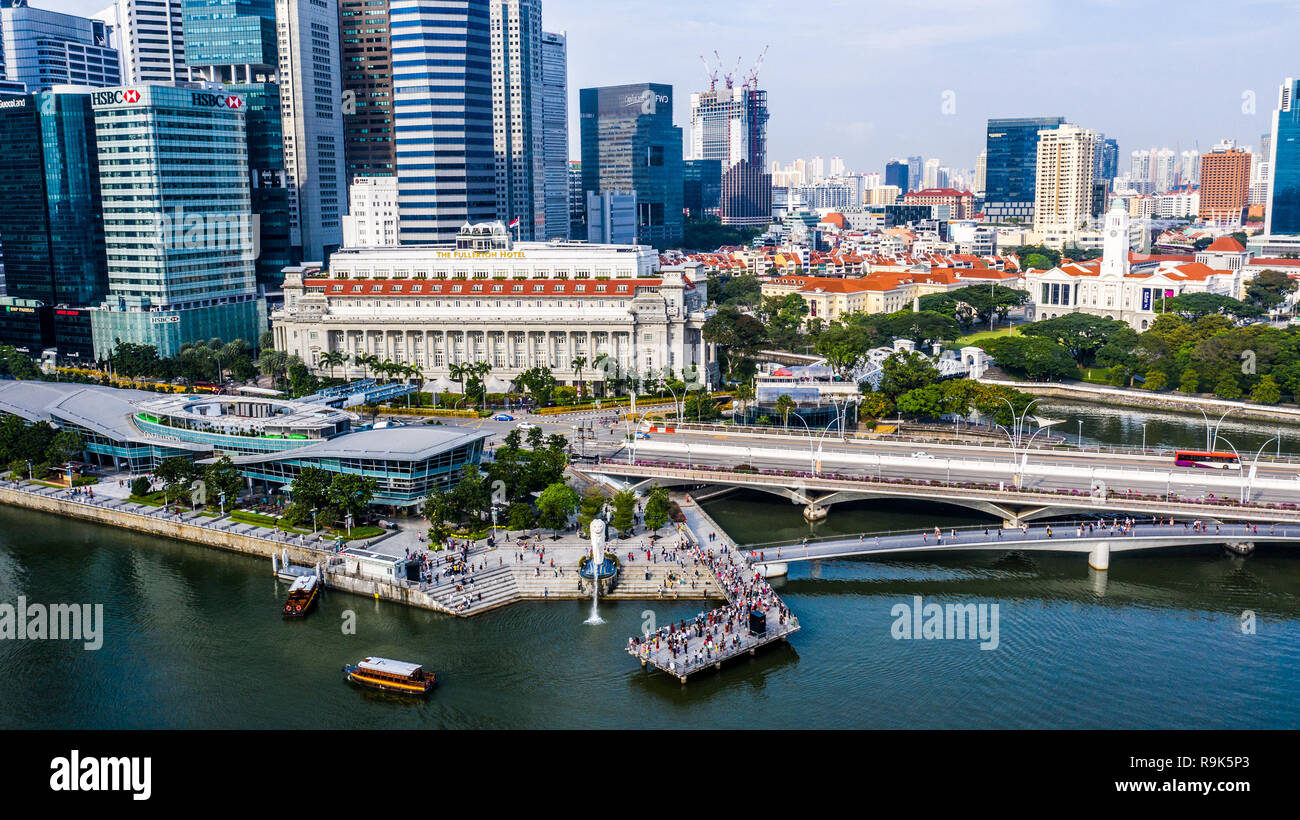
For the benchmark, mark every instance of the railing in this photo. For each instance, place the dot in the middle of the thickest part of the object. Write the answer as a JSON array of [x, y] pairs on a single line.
[[969, 490]]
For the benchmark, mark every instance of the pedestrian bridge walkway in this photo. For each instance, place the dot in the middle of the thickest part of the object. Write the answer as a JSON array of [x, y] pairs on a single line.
[[1098, 538]]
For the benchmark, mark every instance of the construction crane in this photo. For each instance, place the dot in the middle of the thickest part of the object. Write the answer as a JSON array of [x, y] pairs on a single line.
[[751, 79], [711, 72]]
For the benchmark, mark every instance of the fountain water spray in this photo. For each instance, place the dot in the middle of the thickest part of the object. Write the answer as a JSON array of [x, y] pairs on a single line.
[[597, 557]]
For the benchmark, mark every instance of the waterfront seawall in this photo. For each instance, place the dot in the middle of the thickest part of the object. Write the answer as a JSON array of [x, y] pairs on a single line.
[[219, 539], [1155, 401]]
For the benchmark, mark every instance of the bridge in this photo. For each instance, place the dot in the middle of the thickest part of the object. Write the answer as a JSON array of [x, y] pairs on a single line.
[[1096, 537], [1013, 505]]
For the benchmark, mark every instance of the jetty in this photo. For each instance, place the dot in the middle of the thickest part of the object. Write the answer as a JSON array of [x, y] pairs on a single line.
[[753, 617]]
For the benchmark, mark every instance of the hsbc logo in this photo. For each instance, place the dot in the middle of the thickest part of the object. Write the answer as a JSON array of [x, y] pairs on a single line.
[[130, 95], [209, 100]]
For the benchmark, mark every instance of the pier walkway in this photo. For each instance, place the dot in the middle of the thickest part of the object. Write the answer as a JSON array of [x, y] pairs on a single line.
[[719, 635]]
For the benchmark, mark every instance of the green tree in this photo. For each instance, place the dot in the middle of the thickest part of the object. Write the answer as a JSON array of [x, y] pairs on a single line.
[[904, 371], [1189, 382], [311, 486], [738, 335], [592, 503], [554, 506], [177, 474], [1155, 380], [351, 494], [657, 506], [1227, 387], [222, 477], [521, 516], [64, 447], [1266, 391], [624, 517], [140, 486], [1038, 358], [784, 404]]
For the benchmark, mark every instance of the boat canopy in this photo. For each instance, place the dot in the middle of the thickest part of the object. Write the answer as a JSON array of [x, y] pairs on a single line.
[[390, 667], [303, 583]]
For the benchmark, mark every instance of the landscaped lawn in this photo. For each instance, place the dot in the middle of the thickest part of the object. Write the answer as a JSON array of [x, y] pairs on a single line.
[[982, 335]]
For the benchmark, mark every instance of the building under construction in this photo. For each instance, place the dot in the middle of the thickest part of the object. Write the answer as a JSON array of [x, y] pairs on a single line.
[[729, 124]]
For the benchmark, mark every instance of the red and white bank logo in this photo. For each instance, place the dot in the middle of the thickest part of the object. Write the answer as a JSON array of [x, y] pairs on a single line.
[[233, 102], [131, 95]]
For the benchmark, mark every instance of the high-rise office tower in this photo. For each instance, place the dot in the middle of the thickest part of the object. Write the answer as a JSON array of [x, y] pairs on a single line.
[[931, 174], [367, 64], [1225, 185], [629, 144], [1063, 192], [555, 134], [837, 166], [517, 130], [729, 124], [43, 48], [231, 44], [1282, 214], [311, 110], [1163, 169], [818, 169], [1011, 162], [51, 225], [896, 174], [177, 219], [915, 174], [981, 169], [442, 103], [1189, 168], [577, 202], [702, 187], [149, 38], [1106, 166], [1259, 171]]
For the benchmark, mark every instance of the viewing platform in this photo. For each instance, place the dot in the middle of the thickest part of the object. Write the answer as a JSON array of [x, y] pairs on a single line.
[[753, 617]]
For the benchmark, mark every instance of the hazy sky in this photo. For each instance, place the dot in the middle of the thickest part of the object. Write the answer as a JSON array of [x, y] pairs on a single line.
[[867, 80]]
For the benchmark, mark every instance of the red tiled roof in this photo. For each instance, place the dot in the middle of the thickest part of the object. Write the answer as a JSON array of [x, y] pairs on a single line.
[[486, 287], [1226, 244]]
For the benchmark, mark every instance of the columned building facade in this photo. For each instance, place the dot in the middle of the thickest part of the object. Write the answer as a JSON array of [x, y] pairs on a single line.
[[513, 306]]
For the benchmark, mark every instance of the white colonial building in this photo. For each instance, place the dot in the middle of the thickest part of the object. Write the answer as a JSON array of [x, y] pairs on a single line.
[[1124, 286], [513, 305]]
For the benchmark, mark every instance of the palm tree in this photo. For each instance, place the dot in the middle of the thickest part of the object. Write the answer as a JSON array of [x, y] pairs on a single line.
[[784, 404], [482, 369], [744, 393], [362, 360], [459, 372], [331, 360], [599, 364], [578, 363]]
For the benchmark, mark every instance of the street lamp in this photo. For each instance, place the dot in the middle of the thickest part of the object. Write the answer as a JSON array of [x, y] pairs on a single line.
[[1080, 434], [1211, 440], [313, 520], [1144, 438], [812, 459], [1250, 481]]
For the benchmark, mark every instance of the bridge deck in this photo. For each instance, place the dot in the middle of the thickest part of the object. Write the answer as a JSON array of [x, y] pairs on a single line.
[[1064, 537]]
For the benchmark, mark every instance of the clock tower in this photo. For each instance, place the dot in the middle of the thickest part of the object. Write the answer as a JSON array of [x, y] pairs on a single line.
[[1114, 259]]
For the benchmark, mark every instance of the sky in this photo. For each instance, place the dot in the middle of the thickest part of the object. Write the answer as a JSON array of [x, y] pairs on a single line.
[[868, 80]]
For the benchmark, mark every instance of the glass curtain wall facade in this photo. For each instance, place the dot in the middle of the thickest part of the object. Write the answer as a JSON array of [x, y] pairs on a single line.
[[367, 62], [1283, 210], [1011, 166], [442, 114], [629, 143]]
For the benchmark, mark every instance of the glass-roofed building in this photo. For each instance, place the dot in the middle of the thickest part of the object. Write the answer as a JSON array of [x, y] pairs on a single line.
[[269, 440]]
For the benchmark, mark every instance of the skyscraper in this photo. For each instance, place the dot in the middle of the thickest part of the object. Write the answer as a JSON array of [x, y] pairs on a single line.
[[702, 187], [231, 44], [1225, 185], [517, 129], [1106, 168], [629, 143], [1011, 162], [149, 39], [729, 124], [312, 116], [367, 64], [44, 48], [931, 176], [177, 219], [442, 104], [1063, 196], [1189, 168], [981, 171], [915, 174], [51, 225], [896, 174], [1283, 209], [555, 134]]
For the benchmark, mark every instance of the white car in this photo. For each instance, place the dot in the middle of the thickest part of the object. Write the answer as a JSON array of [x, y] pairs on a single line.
[[525, 425], [921, 454]]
